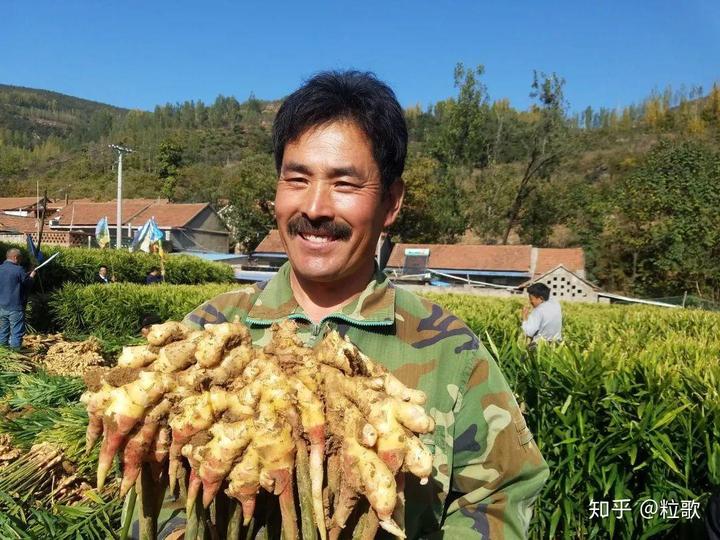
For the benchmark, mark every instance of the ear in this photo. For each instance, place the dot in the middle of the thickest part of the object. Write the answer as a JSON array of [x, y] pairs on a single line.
[[393, 201]]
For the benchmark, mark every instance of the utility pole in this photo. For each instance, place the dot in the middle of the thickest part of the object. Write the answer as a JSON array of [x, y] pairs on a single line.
[[120, 151]]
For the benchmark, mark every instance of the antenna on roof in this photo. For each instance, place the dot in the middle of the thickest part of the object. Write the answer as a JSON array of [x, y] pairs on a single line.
[[121, 150]]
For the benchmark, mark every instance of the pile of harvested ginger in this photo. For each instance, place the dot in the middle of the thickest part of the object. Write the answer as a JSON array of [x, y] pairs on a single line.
[[325, 430]]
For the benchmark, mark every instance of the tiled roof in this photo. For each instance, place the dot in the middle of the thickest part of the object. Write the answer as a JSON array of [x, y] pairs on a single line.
[[471, 256], [271, 243], [135, 211], [171, 214], [16, 203], [572, 259], [17, 223], [468, 257]]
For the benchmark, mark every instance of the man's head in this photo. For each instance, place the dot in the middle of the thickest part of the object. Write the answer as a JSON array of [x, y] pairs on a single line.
[[340, 143], [154, 271], [103, 270], [538, 293], [14, 255]]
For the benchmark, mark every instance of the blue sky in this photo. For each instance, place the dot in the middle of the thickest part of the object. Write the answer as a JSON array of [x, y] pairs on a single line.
[[137, 54]]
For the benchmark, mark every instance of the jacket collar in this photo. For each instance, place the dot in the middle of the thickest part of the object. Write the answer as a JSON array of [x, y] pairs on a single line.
[[375, 306]]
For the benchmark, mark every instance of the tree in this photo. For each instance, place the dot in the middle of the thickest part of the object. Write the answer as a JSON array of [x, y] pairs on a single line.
[[664, 227], [431, 209], [169, 160], [464, 138], [547, 141], [250, 186]]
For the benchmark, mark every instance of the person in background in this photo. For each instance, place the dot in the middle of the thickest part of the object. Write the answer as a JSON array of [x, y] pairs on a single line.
[[102, 276], [154, 276], [542, 319], [15, 283]]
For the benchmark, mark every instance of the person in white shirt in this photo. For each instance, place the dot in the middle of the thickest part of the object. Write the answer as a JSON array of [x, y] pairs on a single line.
[[544, 320]]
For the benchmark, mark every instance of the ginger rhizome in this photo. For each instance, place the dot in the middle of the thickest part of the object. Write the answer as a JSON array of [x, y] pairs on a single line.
[[215, 415]]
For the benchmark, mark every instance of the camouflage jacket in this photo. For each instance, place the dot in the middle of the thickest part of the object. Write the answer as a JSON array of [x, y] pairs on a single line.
[[487, 469]]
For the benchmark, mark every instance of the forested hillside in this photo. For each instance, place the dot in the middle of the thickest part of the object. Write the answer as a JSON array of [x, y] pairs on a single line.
[[638, 188]]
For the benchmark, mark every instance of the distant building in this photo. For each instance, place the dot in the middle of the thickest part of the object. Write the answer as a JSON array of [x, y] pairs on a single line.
[[15, 229], [566, 285], [270, 252], [192, 226], [25, 206], [508, 266]]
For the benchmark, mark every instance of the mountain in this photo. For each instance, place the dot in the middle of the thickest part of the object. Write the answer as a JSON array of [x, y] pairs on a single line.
[[29, 116]]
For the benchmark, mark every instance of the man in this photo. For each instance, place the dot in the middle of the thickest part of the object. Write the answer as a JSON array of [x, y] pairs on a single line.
[[102, 275], [544, 322], [14, 286], [340, 144], [153, 276]]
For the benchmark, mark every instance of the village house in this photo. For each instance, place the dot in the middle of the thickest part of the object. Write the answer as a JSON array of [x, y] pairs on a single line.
[[503, 266], [192, 226]]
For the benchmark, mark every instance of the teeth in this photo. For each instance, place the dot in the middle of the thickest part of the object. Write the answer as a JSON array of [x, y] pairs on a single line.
[[319, 239]]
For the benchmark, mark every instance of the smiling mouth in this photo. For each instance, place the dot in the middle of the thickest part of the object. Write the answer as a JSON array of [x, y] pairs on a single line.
[[317, 238]]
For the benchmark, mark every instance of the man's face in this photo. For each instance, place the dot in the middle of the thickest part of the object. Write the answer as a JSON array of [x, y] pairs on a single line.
[[329, 203], [103, 271], [535, 301]]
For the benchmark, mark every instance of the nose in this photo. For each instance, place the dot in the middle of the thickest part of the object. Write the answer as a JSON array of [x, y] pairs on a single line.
[[318, 202]]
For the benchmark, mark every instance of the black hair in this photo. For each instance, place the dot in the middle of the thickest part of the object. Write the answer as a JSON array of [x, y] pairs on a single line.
[[103, 266], [539, 290], [347, 95], [154, 269]]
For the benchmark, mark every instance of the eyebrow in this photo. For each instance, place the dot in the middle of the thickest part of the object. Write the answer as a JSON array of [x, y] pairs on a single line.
[[335, 172], [293, 166]]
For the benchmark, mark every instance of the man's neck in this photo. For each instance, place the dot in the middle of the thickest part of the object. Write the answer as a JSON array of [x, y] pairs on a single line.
[[319, 299]]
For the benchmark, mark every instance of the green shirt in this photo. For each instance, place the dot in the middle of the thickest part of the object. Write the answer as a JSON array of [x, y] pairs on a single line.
[[487, 469]]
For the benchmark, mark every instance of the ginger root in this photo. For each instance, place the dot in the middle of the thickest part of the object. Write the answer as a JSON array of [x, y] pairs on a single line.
[[237, 415]]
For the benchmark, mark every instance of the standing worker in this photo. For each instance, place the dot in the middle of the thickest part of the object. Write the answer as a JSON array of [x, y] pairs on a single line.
[[545, 319], [14, 286]]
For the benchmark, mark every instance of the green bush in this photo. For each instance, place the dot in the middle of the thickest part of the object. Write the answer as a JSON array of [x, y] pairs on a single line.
[[119, 309], [80, 265]]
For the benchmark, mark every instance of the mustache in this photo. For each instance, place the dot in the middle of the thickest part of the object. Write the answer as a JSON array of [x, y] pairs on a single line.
[[323, 227]]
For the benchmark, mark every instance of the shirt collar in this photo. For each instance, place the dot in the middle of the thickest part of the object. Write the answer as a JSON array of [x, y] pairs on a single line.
[[373, 306]]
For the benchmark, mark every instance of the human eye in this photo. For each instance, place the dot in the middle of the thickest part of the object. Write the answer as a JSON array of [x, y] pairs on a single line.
[[346, 186], [295, 181]]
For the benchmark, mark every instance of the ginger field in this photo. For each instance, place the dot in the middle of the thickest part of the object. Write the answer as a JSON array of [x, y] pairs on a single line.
[[626, 409]]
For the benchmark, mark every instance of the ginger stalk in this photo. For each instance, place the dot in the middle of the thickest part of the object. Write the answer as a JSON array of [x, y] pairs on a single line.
[[313, 422], [160, 451], [244, 483], [96, 402], [139, 444], [367, 474], [126, 406], [217, 457]]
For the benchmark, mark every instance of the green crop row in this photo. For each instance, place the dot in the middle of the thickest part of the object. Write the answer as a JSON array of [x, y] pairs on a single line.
[[122, 309]]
